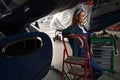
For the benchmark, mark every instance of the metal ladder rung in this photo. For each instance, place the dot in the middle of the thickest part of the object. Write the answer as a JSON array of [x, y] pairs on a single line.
[[77, 71], [75, 60]]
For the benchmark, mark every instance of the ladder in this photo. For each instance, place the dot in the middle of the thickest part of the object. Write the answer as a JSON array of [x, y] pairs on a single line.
[[77, 67]]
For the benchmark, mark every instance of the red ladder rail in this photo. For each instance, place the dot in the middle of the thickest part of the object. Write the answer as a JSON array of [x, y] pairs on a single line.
[[76, 60]]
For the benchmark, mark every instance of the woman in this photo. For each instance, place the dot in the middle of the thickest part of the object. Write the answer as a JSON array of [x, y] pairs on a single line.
[[77, 44]]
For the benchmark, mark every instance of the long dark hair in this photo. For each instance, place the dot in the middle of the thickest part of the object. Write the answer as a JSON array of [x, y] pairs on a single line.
[[77, 12]]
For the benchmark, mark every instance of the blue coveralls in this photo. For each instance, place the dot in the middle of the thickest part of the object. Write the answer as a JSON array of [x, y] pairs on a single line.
[[77, 51]]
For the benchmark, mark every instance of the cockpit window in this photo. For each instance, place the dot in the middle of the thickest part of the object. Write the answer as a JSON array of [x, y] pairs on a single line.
[[22, 47]]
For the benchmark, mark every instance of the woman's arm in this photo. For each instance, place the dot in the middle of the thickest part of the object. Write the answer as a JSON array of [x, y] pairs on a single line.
[[70, 31], [79, 38], [81, 42]]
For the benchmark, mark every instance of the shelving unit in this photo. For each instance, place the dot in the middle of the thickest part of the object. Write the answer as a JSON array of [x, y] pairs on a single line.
[[103, 50]]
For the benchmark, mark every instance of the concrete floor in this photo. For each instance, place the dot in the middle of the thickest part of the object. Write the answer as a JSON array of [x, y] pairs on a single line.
[[58, 56]]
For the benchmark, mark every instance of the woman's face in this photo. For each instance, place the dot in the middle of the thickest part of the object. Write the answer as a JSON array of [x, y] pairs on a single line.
[[82, 17]]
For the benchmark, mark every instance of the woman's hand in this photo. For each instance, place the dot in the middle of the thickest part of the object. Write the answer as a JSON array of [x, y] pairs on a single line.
[[91, 50], [81, 42]]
